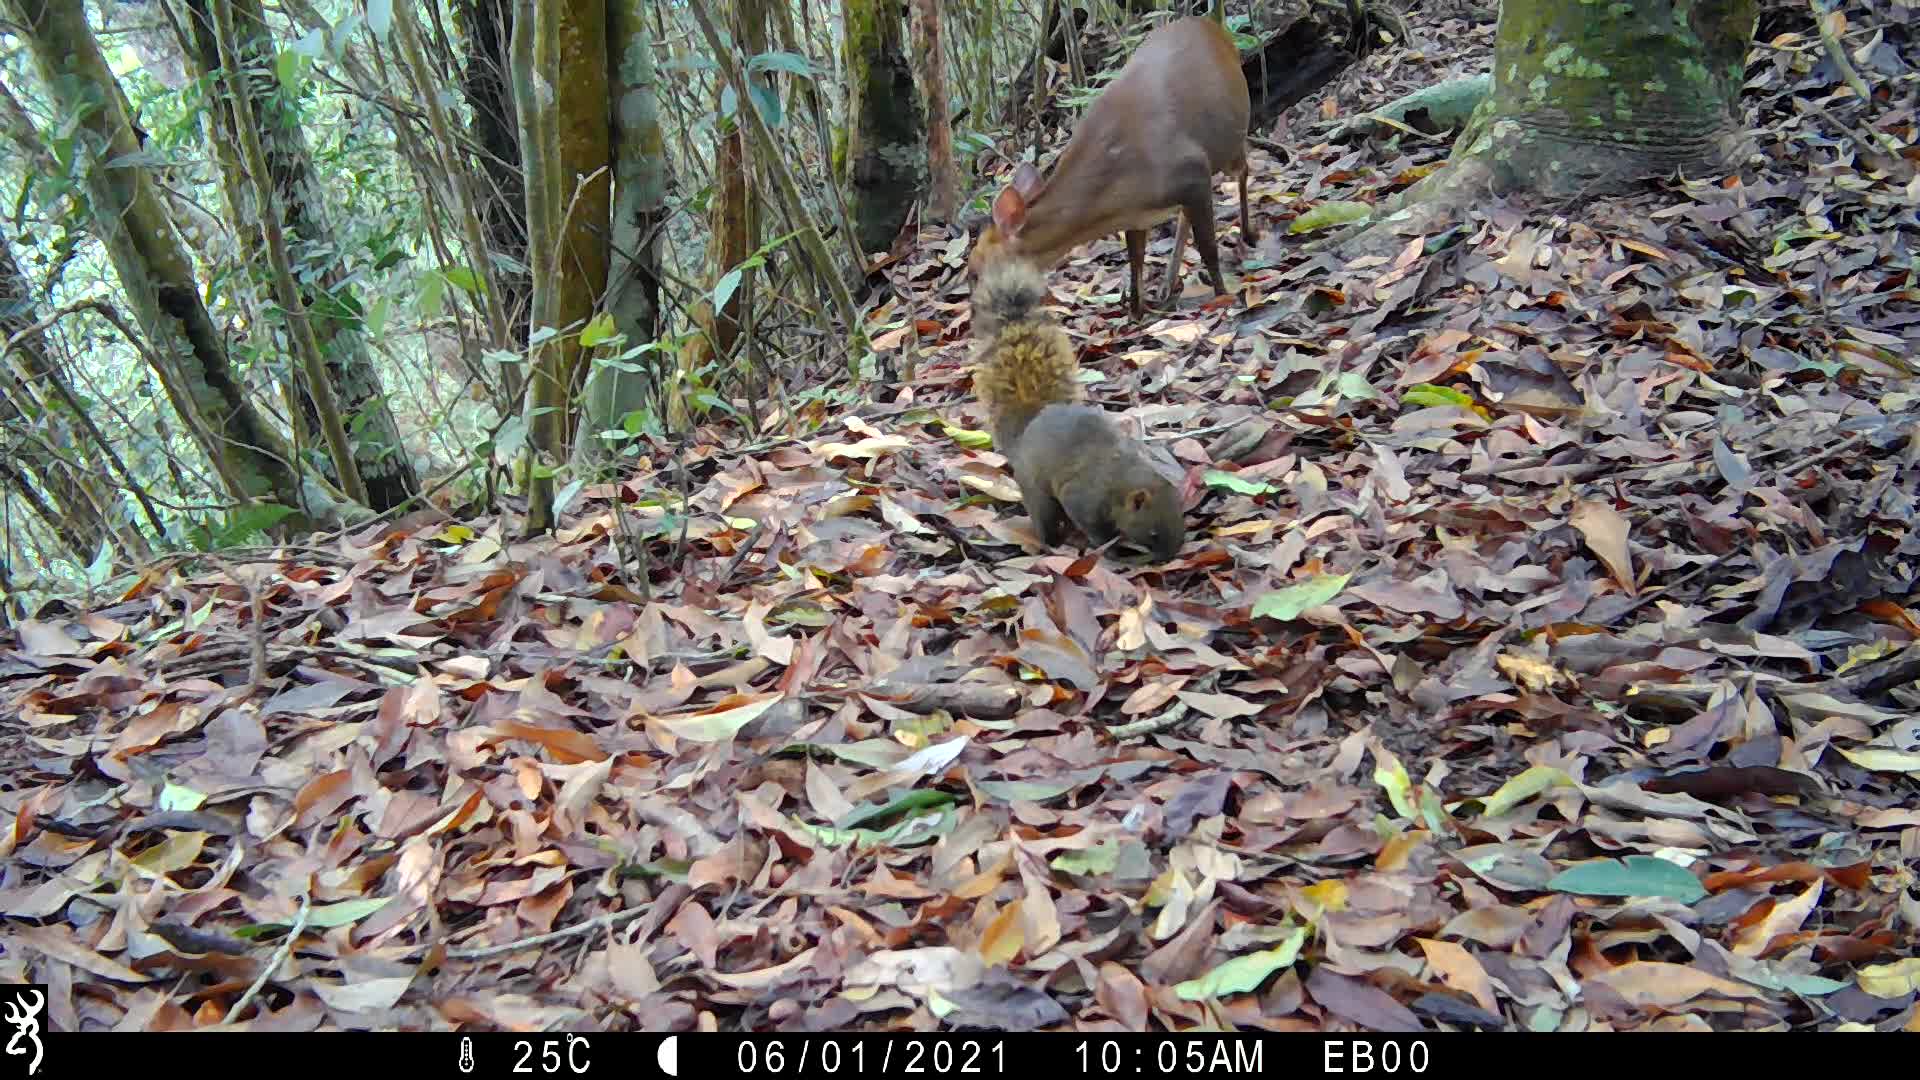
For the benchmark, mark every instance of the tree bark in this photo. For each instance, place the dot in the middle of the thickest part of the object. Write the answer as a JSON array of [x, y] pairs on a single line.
[[334, 310], [502, 203], [886, 146], [943, 181], [571, 137], [1589, 96], [618, 387], [1587, 99]]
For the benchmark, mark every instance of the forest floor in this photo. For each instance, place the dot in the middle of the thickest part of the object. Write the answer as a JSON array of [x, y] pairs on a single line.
[[1538, 659]]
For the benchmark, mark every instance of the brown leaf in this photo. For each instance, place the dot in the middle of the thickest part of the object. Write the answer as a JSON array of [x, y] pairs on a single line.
[[1457, 968], [1605, 531], [56, 942], [1657, 983]]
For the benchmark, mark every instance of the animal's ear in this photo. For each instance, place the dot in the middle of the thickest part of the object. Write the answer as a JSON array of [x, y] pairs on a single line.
[[1026, 180], [1010, 211], [1137, 499]]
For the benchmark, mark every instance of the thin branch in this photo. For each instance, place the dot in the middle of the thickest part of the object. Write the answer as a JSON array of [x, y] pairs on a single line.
[[607, 921], [279, 957]]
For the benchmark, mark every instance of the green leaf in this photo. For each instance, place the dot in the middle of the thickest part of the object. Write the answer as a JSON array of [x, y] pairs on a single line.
[[566, 494], [465, 279], [768, 103], [1288, 603], [599, 330], [968, 437], [286, 67], [249, 520], [913, 830], [102, 566], [1330, 214], [377, 315], [433, 293], [312, 45], [790, 63], [1392, 777], [1217, 478], [1097, 860], [1427, 395], [322, 916], [873, 753], [1810, 985], [541, 335], [512, 437], [175, 797], [1354, 386], [1243, 973], [1636, 875], [728, 284], [923, 799], [380, 17]]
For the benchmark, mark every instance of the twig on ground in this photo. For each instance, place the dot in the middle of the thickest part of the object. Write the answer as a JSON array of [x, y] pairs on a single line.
[[607, 921], [279, 957], [1171, 718]]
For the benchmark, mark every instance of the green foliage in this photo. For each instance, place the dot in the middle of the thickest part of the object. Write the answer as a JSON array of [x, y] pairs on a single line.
[[1288, 603], [1636, 875], [245, 525], [1220, 479]]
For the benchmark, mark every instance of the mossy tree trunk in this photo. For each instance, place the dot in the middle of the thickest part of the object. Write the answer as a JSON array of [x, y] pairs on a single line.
[[566, 139], [334, 311], [886, 145], [154, 268], [621, 387], [1590, 94]]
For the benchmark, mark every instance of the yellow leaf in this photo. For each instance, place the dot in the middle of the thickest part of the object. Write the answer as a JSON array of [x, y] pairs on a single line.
[[1004, 937], [177, 852], [1523, 787], [1528, 672], [1883, 759], [1330, 895], [1392, 777], [1898, 979]]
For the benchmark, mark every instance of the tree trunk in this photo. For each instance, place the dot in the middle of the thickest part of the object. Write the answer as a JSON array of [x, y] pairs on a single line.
[[334, 311], [1587, 99], [189, 353], [572, 136], [886, 147], [1590, 96], [615, 389], [503, 200], [734, 213], [943, 181]]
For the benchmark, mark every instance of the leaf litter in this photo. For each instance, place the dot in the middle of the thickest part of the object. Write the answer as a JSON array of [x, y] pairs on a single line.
[[1541, 661]]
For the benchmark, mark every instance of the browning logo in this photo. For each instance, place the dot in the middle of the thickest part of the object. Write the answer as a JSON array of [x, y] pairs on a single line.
[[21, 1005]]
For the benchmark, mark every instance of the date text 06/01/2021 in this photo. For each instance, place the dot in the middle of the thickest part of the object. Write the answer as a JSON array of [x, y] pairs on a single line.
[[856, 1056]]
